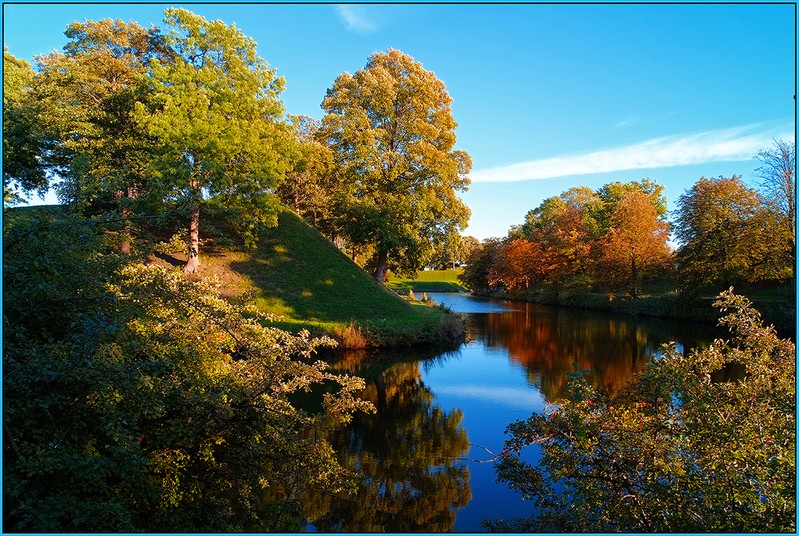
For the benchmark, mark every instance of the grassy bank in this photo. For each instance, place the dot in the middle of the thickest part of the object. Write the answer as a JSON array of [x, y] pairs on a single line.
[[776, 302], [427, 281], [299, 275]]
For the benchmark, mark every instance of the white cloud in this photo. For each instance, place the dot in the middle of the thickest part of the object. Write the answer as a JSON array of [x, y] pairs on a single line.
[[356, 18], [739, 143]]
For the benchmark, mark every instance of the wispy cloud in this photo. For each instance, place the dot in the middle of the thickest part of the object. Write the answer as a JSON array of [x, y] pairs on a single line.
[[356, 18], [739, 143]]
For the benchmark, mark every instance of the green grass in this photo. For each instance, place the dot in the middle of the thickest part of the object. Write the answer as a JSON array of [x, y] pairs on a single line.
[[427, 281], [299, 275]]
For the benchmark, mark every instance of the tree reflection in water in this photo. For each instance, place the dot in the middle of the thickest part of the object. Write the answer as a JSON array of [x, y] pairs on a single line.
[[548, 341], [406, 455]]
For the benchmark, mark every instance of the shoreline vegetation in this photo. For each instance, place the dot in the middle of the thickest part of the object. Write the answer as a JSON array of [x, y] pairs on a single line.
[[659, 299]]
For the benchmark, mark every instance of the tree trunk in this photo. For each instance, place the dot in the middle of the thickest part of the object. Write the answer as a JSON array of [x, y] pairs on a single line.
[[125, 247], [194, 241], [381, 269]]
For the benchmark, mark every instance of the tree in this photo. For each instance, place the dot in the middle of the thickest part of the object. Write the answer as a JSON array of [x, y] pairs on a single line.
[[309, 188], [215, 115], [137, 400], [634, 245], [518, 263], [675, 451], [23, 139], [723, 232], [778, 175], [392, 133], [86, 98], [613, 192], [566, 228], [477, 274]]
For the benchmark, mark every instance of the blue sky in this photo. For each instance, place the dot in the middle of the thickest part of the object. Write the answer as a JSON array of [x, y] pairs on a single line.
[[546, 96]]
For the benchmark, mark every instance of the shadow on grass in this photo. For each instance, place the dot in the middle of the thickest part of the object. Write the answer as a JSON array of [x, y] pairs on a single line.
[[298, 270]]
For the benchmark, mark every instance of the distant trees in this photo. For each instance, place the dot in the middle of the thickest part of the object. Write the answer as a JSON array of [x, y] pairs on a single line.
[[615, 237], [392, 134], [634, 246]]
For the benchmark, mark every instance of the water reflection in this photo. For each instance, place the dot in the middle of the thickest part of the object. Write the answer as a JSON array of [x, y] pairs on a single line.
[[549, 341], [431, 405], [406, 456]]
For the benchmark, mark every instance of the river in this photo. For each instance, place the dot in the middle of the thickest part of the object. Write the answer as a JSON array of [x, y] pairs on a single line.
[[441, 417]]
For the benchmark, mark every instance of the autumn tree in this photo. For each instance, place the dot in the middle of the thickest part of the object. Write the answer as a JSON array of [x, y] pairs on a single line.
[[517, 264], [635, 245], [566, 227], [612, 193], [723, 231], [392, 133], [215, 116], [674, 451]]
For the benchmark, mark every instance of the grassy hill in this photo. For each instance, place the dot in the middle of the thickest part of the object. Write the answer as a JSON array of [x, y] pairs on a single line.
[[299, 275], [428, 281]]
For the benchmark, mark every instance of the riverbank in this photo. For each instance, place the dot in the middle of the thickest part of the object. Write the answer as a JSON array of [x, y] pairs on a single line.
[[777, 304]]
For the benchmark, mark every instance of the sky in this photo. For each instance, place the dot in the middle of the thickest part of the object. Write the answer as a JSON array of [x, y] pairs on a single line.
[[546, 96]]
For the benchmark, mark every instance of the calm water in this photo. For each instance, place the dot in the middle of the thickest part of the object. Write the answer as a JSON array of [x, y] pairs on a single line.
[[440, 416]]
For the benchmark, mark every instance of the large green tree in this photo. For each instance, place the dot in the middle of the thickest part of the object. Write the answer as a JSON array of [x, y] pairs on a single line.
[[215, 117], [392, 133], [677, 450]]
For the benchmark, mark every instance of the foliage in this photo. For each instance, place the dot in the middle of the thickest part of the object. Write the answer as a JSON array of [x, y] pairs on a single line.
[[138, 400], [86, 97], [392, 133], [476, 275], [726, 234], [518, 264], [23, 139], [634, 246], [309, 188], [676, 450], [566, 227], [215, 113]]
